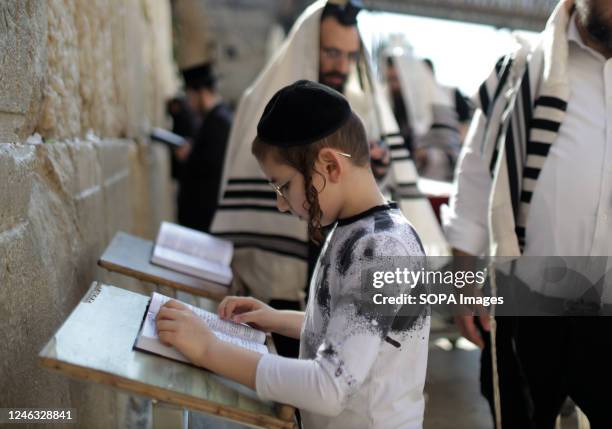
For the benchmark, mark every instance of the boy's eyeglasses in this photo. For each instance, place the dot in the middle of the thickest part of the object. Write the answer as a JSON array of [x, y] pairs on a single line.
[[282, 189]]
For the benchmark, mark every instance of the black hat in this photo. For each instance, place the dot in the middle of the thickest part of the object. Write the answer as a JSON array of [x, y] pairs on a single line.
[[302, 113], [345, 12], [199, 76]]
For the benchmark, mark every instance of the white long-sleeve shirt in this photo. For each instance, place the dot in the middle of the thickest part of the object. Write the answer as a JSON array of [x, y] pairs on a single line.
[[357, 368]]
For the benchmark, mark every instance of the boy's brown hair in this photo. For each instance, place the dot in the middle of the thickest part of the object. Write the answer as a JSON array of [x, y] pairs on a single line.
[[351, 139]]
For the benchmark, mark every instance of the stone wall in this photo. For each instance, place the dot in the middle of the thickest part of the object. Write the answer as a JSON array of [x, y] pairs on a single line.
[[89, 76]]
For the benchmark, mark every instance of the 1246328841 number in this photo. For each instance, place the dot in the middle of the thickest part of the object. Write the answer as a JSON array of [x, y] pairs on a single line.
[[40, 415]]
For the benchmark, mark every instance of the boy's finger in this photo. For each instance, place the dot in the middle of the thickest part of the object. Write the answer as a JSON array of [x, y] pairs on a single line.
[[236, 306], [166, 326], [227, 306], [221, 308], [166, 337], [168, 313], [175, 304], [248, 317]]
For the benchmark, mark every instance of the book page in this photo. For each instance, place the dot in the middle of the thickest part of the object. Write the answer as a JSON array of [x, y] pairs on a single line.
[[187, 264], [228, 329], [194, 243], [249, 345]]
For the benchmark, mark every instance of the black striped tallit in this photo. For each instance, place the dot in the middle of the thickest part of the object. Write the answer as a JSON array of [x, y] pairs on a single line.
[[527, 128]]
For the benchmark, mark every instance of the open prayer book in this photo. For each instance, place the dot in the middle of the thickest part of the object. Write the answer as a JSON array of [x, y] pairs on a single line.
[[167, 137], [233, 333], [193, 252]]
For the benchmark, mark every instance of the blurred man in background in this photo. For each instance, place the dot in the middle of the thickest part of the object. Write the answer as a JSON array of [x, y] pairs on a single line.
[[201, 160], [425, 112], [184, 124], [463, 105]]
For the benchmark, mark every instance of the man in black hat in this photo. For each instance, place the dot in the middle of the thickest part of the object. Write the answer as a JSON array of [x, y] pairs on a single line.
[[201, 162]]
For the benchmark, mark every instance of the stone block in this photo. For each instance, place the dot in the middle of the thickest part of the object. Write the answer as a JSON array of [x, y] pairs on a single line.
[[16, 163], [23, 61]]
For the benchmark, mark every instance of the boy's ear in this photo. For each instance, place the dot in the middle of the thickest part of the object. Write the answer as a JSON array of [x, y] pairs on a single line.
[[331, 163]]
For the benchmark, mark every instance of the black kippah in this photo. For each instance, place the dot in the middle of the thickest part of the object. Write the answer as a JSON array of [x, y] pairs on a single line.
[[199, 76], [302, 113], [346, 13]]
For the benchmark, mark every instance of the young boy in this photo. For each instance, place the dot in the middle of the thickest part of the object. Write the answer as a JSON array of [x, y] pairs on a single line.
[[361, 365]]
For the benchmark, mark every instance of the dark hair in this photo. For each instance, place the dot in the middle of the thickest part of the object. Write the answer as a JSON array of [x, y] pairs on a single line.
[[351, 138], [345, 14]]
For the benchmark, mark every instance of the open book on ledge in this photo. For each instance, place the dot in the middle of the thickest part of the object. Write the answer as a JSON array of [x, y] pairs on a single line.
[[233, 333], [193, 252]]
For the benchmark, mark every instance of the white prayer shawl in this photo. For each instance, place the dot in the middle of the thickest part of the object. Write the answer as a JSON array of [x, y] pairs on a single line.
[[419, 88], [270, 259], [521, 107], [430, 110]]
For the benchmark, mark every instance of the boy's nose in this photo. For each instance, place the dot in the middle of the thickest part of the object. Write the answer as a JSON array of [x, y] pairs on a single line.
[[281, 204]]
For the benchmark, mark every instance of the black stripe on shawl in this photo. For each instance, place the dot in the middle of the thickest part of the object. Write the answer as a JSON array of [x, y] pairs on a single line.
[[445, 127], [247, 181], [484, 98], [526, 96], [505, 72], [538, 148], [254, 207], [513, 173], [280, 244], [545, 124], [397, 134], [553, 102], [531, 173], [526, 196], [495, 152], [397, 146], [260, 195]]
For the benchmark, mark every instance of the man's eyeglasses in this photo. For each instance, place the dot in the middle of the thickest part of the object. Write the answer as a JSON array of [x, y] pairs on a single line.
[[281, 190], [335, 54]]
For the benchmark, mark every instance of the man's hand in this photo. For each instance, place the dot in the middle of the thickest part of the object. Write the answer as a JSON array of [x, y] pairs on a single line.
[[421, 158], [181, 328], [379, 159], [182, 152], [466, 323], [240, 309], [467, 327]]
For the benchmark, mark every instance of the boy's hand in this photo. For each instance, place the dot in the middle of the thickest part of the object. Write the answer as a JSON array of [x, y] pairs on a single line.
[[249, 310], [179, 327]]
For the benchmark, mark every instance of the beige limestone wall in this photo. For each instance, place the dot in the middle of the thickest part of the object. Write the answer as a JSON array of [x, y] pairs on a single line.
[[68, 67], [109, 67], [23, 31]]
